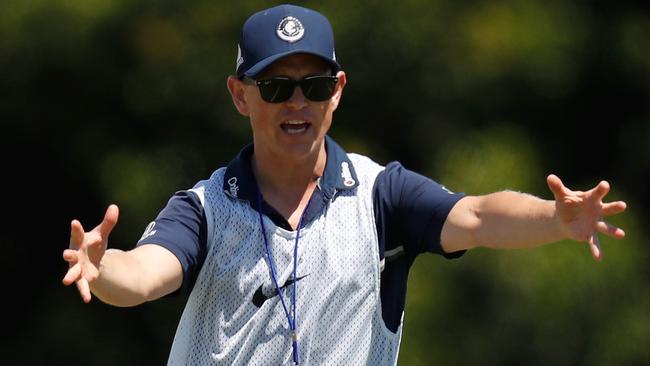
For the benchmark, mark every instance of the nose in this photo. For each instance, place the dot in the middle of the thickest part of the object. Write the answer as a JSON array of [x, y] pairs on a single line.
[[298, 99]]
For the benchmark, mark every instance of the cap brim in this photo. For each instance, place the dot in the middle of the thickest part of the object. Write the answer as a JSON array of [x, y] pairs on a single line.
[[258, 67]]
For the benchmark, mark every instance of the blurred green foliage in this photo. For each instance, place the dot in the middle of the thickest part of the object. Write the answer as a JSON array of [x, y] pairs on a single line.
[[114, 101]]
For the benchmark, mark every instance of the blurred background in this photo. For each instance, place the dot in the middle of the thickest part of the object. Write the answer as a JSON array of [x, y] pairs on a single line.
[[114, 101]]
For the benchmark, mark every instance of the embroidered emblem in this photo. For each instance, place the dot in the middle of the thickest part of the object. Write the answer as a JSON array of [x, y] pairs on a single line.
[[149, 231], [290, 29], [348, 181], [232, 182]]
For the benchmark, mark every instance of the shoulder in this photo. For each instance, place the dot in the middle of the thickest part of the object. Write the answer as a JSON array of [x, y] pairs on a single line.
[[358, 159], [402, 187], [364, 165], [211, 187]]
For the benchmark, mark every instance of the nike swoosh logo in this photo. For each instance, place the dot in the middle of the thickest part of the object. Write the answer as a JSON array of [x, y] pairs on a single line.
[[259, 297]]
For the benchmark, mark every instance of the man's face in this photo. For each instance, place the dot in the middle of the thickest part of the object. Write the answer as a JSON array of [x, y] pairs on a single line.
[[295, 128]]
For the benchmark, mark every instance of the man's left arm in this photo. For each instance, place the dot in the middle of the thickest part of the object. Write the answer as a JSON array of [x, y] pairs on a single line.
[[517, 220]]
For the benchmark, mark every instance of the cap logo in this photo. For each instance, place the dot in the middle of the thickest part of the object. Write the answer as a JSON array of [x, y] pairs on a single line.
[[290, 29]]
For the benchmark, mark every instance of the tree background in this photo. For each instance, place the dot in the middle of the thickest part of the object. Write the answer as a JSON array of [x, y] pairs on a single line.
[[112, 101]]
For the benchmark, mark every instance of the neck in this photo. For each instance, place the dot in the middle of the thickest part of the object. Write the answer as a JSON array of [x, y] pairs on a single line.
[[287, 185]]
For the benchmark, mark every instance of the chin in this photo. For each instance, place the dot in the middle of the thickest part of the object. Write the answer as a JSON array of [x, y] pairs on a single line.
[[300, 150], [303, 148]]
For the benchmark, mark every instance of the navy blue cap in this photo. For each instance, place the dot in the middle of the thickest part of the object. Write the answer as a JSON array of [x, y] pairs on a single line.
[[280, 31]]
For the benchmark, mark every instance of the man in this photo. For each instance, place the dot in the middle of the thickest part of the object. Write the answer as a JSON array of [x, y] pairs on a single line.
[[297, 251]]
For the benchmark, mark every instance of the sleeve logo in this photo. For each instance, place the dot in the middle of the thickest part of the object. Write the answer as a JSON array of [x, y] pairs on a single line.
[[149, 231]]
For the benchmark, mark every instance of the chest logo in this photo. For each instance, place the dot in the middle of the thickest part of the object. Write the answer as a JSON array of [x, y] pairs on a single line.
[[348, 181], [232, 182], [259, 297]]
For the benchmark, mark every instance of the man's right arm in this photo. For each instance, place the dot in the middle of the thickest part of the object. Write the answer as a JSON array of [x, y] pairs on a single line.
[[128, 278], [120, 278]]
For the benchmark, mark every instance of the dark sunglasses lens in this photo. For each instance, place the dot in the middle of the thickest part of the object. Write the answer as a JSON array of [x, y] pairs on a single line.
[[314, 88], [318, 88], [276, 90]]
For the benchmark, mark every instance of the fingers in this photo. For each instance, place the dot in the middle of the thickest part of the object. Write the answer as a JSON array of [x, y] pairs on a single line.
[[601, 189], [610, 230], [613, 208], [76, 275], [607, 229], [84, 290], [110, 219], [594, 241], [76, 234], [73, 274], [70, 255], [594, 247], [561, 192]]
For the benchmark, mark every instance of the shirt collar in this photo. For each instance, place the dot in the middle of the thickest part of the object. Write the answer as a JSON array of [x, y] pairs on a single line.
[[239, 181]]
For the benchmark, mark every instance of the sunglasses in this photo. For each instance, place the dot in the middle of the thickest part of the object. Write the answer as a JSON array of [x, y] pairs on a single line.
[[279, 89]]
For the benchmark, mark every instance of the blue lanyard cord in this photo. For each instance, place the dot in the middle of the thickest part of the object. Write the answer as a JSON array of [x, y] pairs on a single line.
[[290, 318]]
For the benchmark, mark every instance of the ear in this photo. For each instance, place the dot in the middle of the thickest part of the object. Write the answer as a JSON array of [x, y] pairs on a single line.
[[237, 91], [338, 91]]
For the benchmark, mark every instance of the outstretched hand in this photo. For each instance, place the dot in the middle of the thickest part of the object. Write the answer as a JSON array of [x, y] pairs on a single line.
[[582, 213], [86, 252]]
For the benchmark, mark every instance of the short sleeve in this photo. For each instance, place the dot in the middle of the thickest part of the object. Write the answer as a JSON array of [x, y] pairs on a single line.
[[181, 227], [410, 210]]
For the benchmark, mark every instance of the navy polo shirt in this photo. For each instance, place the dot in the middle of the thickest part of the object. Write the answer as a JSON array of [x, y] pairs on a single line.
[[410, 210]]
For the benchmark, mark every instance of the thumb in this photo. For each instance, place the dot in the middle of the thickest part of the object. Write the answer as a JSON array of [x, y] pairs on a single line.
[[555, 185], [110, 220]]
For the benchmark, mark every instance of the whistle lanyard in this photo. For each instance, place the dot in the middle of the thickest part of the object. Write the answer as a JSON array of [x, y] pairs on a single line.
[[290, 317]]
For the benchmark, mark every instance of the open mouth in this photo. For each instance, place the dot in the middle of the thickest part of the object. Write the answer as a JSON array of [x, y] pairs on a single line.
[[295, 127]]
